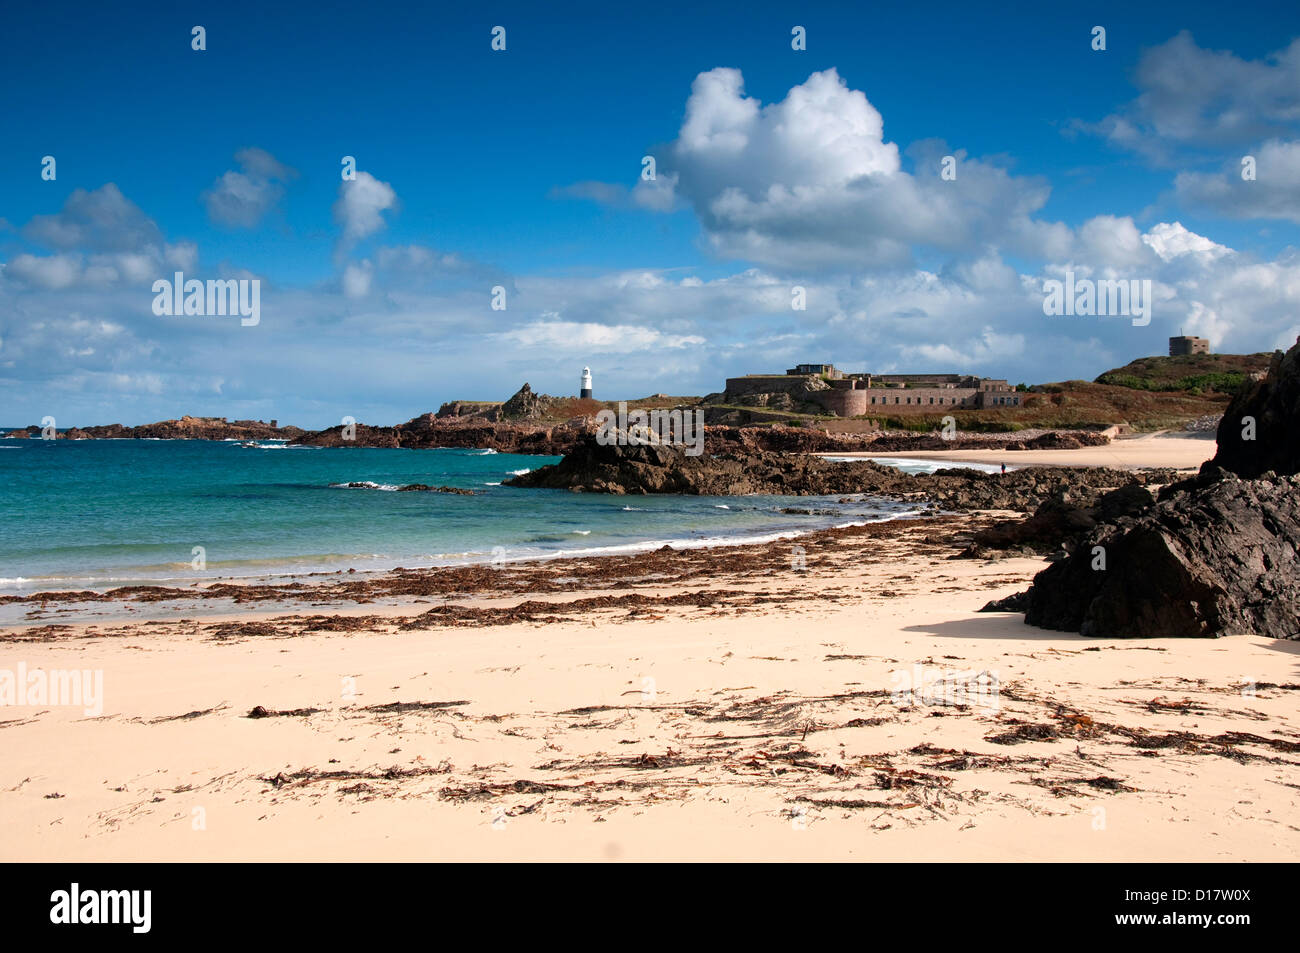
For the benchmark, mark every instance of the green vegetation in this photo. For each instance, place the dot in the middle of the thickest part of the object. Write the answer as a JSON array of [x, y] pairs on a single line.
[[971, 421], [1188, 374], [1228, 382], [913, 424]]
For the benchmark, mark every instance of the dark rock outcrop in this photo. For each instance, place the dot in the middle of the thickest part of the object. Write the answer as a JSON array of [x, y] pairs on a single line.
[[1217, 555], [362, 436], [1055, 440], [1062, 521], [479, 409], [591, 467], [425, 488], [1012, 603], [525, 405], [653, 468], [408, 488], [1273, 404], [1219, 560]]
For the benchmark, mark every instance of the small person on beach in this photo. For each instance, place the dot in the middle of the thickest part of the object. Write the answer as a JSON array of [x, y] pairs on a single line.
[[1004, 469]]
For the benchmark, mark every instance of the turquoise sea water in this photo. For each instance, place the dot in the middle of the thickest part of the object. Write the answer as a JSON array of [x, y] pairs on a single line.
[[96, 513]]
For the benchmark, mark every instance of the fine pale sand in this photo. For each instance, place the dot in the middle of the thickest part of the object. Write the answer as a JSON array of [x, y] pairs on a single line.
[[831, 702], [1149, 450]]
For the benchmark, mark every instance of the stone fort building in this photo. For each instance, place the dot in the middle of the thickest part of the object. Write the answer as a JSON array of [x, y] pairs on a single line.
[[1186, 344], [859, 395]]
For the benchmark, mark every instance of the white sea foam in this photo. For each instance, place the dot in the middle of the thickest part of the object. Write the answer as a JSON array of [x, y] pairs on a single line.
[[521, 472], [364, 485], [917, 465], [649, 545], [712, 542]]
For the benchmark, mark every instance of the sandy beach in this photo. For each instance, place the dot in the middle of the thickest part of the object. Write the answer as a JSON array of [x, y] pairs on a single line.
[[1149, 450], [834, 697]]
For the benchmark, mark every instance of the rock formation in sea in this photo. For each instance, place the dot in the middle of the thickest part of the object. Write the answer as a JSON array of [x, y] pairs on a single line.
[[410, 487], [1215, 555]]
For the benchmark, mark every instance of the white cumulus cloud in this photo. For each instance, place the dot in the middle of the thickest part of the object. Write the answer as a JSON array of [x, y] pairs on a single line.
[[241, 199], [361, 204]]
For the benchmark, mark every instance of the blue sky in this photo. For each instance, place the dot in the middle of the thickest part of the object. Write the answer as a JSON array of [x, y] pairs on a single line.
[[813, 168]]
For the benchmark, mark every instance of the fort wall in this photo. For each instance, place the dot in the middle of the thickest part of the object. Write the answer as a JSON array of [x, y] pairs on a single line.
[[864, 395]]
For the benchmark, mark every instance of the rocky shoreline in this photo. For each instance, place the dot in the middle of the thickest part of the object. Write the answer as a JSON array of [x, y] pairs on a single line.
[[1218, 554], [650, 469]]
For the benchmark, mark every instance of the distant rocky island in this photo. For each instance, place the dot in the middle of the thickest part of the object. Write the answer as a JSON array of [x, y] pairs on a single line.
[[183, 428]]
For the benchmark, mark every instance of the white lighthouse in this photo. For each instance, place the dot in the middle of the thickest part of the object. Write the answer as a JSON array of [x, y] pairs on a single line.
[[586, 383]]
